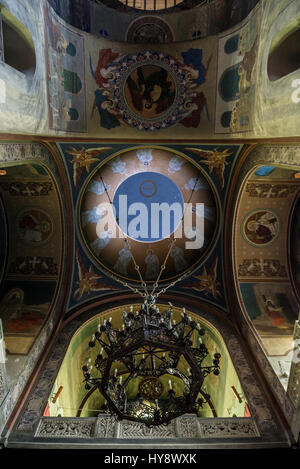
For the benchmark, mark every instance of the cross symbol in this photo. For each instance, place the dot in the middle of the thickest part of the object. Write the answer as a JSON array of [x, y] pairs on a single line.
[[34, 262], [27, 191]]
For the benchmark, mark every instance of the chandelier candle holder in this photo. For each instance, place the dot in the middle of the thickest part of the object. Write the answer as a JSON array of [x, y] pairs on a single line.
[[151, 369]]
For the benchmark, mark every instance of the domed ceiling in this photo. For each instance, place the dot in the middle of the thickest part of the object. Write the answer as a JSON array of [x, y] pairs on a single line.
[[133, 206]]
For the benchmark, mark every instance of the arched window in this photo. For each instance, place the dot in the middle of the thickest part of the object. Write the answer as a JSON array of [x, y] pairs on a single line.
[[284, 55], [16, 44]]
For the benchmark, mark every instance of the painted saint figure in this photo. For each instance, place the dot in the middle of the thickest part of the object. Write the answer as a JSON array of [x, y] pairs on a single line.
[[92, 216], [177, 254], [262, 228], [123, 261], [101, 242], [32, 230], [152, 263], [274, 312]]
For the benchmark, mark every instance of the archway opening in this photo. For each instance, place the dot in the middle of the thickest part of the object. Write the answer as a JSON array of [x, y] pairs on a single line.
[[70, 398], [17, 45], [284, 55]]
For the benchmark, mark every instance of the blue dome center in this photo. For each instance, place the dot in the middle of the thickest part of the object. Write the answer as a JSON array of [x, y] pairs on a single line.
[[148, 206]]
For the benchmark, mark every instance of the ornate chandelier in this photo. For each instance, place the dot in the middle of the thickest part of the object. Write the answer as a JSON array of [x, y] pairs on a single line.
[[151, 370]]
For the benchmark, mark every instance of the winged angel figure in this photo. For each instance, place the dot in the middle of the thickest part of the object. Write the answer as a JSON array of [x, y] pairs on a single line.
[[206, 282], [83, 158], [214, 159], [89, 281]]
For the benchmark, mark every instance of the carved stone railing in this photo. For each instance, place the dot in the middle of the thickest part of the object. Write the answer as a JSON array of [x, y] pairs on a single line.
[[186, 427]]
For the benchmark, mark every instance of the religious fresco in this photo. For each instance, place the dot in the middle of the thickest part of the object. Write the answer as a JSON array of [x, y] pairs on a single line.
[[272, 307], [65, 75], [87, 83], [149, 30], [145, 178], [98, 172], [263, 233], [33, 255], [150, 90], [207, 282], [89, 281], [83, 159], [34, 225], [24, 309], [236, 77], [261, 227], [215, 160]]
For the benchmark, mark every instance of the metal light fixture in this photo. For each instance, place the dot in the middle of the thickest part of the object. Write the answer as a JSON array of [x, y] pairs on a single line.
[[151, 370]]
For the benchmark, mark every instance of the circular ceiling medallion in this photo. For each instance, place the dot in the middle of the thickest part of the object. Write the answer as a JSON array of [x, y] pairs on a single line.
[[154, 189], [34, 226], [261, 227], [150, 91], [136, 203], [151, 388], [149, 30]]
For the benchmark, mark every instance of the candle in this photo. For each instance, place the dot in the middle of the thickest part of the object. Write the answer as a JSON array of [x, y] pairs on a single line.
[[120, 379], [170, 384], [116, 371]]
